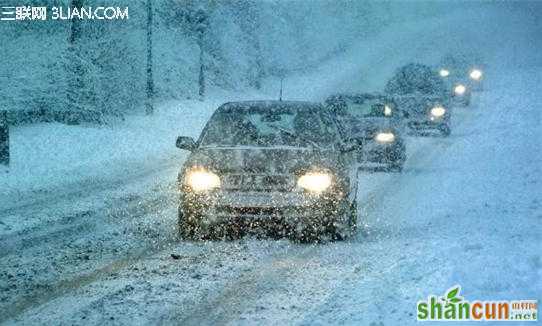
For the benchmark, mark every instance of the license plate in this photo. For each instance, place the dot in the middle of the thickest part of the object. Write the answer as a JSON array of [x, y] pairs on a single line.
[[257, 181]]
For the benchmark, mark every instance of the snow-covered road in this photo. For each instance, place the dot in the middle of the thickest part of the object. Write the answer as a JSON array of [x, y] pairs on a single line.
[[466, 211]]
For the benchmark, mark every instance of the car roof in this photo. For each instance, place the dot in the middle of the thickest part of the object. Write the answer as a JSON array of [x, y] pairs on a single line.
[[269, 104], [418, 95], [360, 96]]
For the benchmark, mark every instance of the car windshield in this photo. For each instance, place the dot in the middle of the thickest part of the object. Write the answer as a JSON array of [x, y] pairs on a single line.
[[367, 109], [270, 126]]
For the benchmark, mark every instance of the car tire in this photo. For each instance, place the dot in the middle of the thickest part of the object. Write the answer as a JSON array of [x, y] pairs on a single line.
[[342, 231]]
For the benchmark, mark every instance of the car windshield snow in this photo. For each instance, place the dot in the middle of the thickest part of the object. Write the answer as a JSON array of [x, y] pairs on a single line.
[[367, 109], [268, 126]]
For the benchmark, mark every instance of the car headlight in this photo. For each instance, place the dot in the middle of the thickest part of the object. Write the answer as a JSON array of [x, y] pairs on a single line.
[[385, 137], [314, 181], [444, 73], [199, 179], [438, 111], [460, 89], [387, 110], [475, 74]]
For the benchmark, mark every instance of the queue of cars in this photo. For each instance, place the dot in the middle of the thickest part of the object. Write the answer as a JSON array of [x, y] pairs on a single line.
[[461, 76], [290, 168]]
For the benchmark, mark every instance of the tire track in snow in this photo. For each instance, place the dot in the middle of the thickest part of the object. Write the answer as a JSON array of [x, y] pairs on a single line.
[[104, 220], [78, 223], [36, 201], [65, 227], [52, 292], [236, 295]]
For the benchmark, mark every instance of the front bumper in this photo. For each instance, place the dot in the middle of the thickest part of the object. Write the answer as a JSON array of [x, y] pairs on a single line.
[[375, 152], [430, 123], [250, 207]]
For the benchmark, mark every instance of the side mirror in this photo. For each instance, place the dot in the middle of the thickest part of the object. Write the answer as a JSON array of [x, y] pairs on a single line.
[[186, 143]]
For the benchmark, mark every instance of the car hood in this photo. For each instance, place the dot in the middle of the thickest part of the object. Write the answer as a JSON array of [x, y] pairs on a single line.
[[264, 160]]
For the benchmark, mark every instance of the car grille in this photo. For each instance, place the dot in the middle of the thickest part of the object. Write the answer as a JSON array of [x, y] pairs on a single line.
[[258, 182]]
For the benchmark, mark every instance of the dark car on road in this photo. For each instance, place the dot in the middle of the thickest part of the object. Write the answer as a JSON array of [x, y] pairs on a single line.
[[272, 165], [422, 97], [461, 93], [461, 76], [425, 113], [374, 121]]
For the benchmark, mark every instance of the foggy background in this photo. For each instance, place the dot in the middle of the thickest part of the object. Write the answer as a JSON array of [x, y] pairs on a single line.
[[249, 45]]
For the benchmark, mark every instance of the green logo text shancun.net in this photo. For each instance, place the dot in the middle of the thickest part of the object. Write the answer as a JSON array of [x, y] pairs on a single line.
[[452, 306]]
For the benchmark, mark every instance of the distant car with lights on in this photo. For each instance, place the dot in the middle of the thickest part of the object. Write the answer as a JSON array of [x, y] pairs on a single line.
[[462, 77], [465, 67], [375, 122], [278, 165], [423, 113], [460, 93], [422, 97]]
